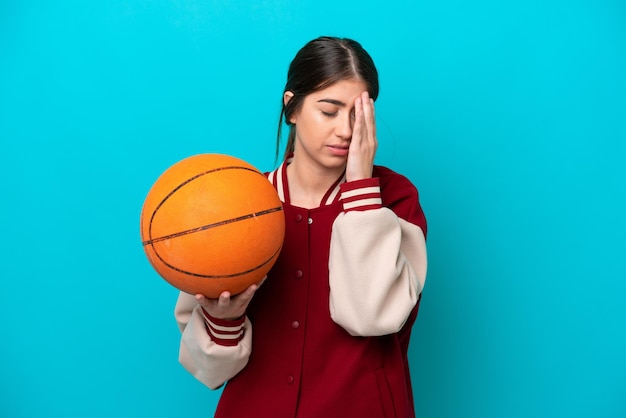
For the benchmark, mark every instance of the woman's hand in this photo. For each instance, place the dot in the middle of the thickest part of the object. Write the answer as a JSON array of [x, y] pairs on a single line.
[[364, 143], [228, 307]]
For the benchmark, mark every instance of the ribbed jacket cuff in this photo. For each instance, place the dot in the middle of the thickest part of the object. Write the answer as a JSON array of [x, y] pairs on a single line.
[[361, 195], [222, 331]]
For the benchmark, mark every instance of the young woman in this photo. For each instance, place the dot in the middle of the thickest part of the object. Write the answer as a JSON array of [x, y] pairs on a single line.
[[326, 334]]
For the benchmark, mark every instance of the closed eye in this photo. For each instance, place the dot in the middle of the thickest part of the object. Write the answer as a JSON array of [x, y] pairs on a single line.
[[330, 107]]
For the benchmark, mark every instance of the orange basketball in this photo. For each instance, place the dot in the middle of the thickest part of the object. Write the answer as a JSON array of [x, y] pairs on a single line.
[[212, 223]]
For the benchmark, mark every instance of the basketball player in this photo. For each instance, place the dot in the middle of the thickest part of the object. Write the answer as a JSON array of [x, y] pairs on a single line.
[[327, 333]]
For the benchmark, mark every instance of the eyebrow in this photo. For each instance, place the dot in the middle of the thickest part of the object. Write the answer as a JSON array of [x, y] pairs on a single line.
[[333, 101]]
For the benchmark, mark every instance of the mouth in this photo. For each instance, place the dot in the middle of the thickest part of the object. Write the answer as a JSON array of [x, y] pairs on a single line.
[[340, 150]]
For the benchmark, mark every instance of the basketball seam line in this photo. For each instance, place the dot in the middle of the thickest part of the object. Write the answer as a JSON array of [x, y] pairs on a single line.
[[213, 225], [189, 180], [223, 276]]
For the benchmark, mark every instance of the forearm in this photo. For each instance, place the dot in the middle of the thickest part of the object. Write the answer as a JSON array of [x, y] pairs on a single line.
[[377, 267], [212, 352]]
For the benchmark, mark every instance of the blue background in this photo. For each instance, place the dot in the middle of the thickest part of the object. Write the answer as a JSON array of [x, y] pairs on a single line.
[[510, 117]]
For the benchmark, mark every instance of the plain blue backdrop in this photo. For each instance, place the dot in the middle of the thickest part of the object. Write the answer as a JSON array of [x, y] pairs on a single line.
[[510, 117]]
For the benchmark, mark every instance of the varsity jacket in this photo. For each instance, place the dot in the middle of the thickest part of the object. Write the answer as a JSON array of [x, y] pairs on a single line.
[[327, 333]]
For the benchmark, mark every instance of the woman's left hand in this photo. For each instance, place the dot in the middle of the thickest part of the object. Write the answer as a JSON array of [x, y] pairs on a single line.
[[364, 143]]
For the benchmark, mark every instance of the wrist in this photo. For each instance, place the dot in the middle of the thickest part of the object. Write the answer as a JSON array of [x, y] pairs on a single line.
[[226, 332], [359, 195]]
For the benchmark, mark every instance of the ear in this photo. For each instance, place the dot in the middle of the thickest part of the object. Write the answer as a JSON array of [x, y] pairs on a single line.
[[287, 96]]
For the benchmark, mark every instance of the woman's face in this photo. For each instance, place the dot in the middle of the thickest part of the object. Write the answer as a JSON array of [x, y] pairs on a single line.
[[324, 124]]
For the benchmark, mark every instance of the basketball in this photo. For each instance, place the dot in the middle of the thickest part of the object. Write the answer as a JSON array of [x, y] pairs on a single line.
[[212, 223]]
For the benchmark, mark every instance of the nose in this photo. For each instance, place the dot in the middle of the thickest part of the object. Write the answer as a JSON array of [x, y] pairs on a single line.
[[343, 129]]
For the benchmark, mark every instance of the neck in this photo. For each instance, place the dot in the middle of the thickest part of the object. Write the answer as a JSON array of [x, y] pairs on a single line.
[[308, 185]]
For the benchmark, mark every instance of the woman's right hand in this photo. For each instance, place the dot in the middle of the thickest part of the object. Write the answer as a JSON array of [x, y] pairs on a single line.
[[227, 306]]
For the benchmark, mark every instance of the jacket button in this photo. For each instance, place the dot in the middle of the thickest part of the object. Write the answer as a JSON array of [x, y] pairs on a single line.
[[310, 221], [295, 325], [298, 274], [290, 380], [298, 217]]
